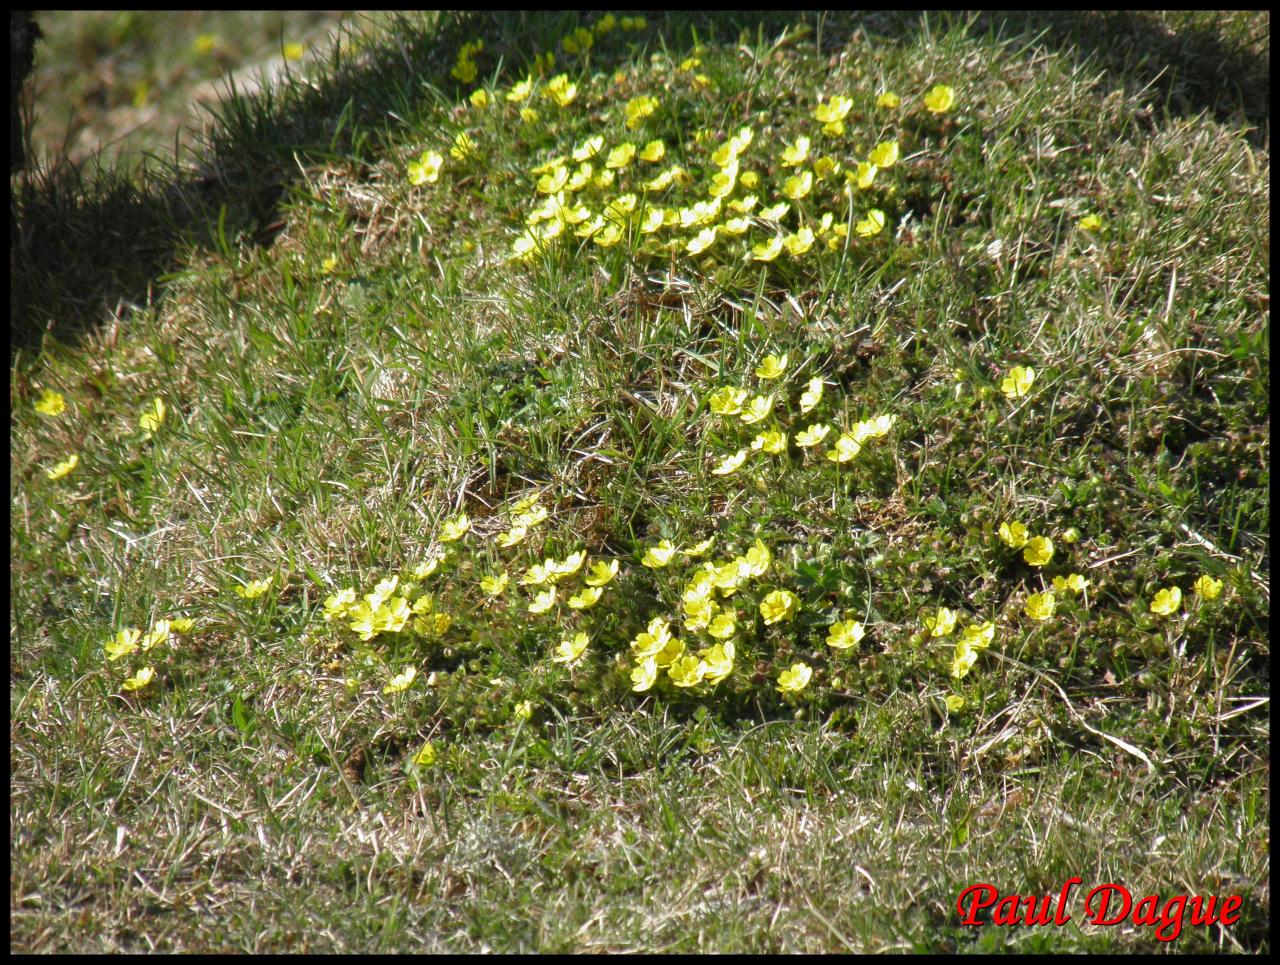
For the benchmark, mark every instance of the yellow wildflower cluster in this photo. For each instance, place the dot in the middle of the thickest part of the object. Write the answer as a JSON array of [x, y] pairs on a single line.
[[604, 189], [131, 640]]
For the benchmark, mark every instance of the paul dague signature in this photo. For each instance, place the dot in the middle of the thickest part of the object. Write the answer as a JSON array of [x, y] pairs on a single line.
[[1098, 908]]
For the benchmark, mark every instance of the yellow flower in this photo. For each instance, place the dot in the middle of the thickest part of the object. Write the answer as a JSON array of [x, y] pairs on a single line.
[[531, 516], [364, 620], [730, 464], [812, 435], [698, 590], [955, 703], [520, 91], [758, 409], [60, 469], [1038, 551], [653, 152], [942, 623], [140, 679], [638, 108], [871, 225], [836, 109], [863, 175], [718, 662], [775, 212], [621, 156], [453, 529], [1040, 605], [700, 549], [1167, 601], [513, 536], [337, 604], [1018, 382], [772, 442], [845, 634], [798, 185], [663, 180], [528, 115], [50, 403], [846, 448], [703, 240], [889, 100], [1069, 535], [767, 251], [727, 401], [464, 70], [656, 557], [601, 573], [159, 634], [1013, 534], [181, 625], [671, 651], [523, 710], [884, 154], [427, 566], [425, 757], [463, 147], [152, 418], [736, 226], [722, 182], [779, 605], [560, 90], [795, 679], [254, 589], [652, 640], [122, 644], [755, 563], [723, 626], [605, 24], [401, 681], [686, 671], [554, 180], [1075, 583], [494, 585], [609, 235], [1207, 587], [824, 168], [811, 396], [799, 242], [644, 674], [570, 652], [544, 601], [940, 99], [479, 97], [964, 659], [588, 148], [586, 598], [393, 615], [793, 155], [652, 221], [1091, 223], [728, 576], [979, 635]]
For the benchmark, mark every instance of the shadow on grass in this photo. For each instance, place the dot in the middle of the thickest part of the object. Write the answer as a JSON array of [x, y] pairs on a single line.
[[86, 245]]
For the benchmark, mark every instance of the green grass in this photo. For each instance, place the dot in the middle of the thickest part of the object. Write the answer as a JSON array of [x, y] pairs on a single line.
[[325, 417]]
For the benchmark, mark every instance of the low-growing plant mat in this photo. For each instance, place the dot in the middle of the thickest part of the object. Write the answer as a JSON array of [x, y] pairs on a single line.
[[636, 483]]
